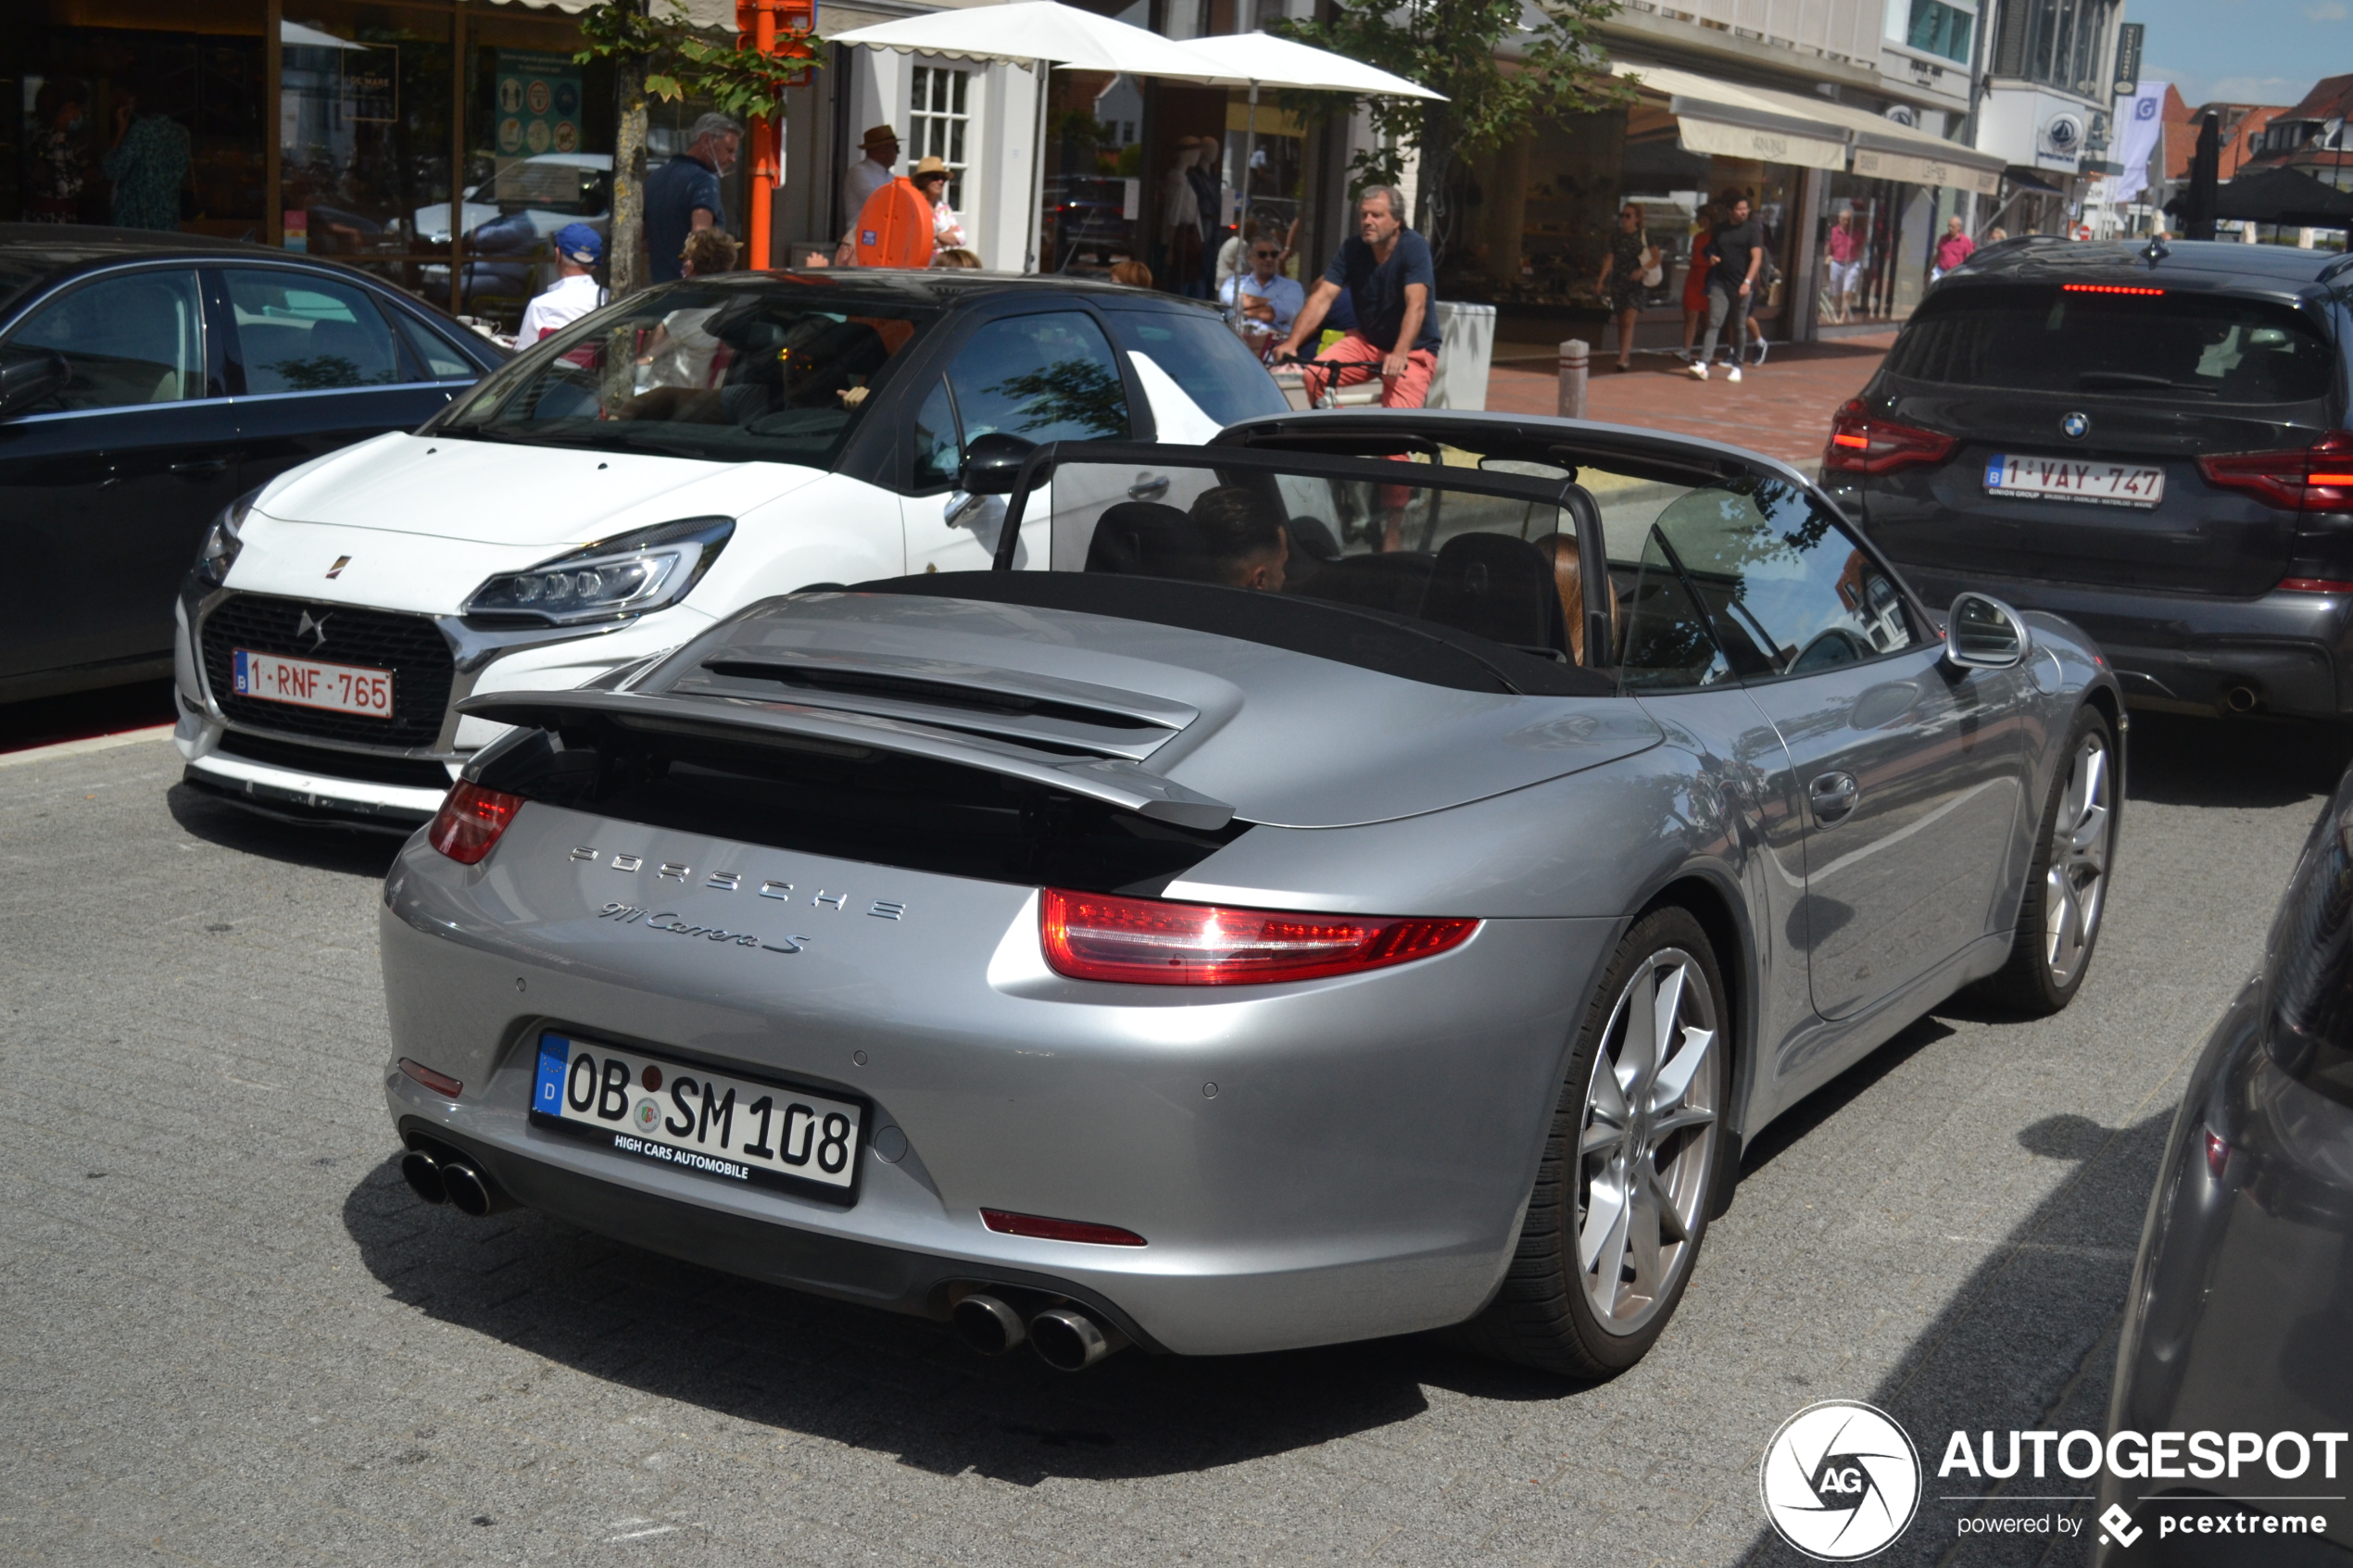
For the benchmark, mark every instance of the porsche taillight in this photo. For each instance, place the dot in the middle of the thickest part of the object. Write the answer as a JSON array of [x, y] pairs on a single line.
[[1860, 443], [469, 822], [2318, 478], [1152, 942]]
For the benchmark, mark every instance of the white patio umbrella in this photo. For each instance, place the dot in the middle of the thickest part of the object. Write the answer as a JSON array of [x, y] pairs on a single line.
[[1260, 59], [1041, 34]]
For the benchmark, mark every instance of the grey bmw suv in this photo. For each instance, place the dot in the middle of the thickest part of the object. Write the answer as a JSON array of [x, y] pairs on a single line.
[[2148, 440]]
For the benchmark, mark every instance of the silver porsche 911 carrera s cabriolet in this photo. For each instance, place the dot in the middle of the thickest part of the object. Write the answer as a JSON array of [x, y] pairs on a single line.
[[1371, 874]]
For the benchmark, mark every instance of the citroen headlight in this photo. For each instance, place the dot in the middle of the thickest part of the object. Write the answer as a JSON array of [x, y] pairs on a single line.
[[608, 580], [218, 552]]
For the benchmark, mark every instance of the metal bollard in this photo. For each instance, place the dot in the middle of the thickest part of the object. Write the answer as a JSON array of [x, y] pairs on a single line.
[[1574, 358]]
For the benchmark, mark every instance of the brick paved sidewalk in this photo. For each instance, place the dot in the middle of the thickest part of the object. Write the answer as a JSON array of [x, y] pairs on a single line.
[[1783, 409]]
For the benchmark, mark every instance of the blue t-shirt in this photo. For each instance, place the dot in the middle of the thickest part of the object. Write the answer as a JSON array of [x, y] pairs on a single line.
[[1377, 291], [672, 192]]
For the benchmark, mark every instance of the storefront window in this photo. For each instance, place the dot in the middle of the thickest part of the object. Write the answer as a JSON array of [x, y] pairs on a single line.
[[940, 118], [364, 134], [76, 81], [1541, 214], [1875, 243], [538, 137]]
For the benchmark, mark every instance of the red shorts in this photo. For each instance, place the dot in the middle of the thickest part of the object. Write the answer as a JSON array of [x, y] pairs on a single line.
[[1408, 391]]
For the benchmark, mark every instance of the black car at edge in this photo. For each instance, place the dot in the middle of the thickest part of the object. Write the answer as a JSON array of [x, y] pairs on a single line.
[[2149, 440], [146, 380]]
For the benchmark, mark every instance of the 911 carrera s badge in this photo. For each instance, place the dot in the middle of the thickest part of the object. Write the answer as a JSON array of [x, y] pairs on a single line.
[[668, 922], [2075, 427]]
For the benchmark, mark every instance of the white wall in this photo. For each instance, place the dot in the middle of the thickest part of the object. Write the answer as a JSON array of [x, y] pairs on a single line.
[[1003, 109]]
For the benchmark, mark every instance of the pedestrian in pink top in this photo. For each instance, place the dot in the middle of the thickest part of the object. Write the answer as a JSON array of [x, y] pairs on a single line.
[[1953, 249]]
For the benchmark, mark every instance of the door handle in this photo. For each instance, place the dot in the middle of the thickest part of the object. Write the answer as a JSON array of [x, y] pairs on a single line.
[[1834, 797], [1148, 487], [202, 468]]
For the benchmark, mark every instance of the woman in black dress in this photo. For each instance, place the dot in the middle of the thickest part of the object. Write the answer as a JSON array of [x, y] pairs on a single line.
[[1621, 279]]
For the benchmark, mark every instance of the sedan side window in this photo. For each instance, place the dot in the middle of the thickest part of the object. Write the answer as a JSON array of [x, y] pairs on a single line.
[[127, 340], [1786, 588], [305, 333], [1044, 377], [438, 353]]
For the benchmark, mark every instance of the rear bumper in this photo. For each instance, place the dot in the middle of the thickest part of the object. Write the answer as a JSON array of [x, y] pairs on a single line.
[[1311, 1165], [2288, 654]]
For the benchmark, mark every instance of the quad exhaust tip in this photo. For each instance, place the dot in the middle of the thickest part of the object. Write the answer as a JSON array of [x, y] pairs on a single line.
[[442, 1176], [988, 1324], [1068, 1341]]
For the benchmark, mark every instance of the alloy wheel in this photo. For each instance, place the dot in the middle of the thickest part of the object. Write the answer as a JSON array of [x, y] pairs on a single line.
[[2074, 885], [1646, 1148]]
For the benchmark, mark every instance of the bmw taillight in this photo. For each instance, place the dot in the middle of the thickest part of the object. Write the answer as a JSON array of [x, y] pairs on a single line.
[[469, 822], [1860, 443], [1150, 942], [2318, 478]]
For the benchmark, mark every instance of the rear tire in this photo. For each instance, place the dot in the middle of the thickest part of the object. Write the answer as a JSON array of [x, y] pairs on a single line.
[[1628, 1179], [2059, 919]]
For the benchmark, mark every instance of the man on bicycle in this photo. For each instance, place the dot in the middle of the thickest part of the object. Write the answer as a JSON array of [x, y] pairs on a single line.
[[1390, 282]]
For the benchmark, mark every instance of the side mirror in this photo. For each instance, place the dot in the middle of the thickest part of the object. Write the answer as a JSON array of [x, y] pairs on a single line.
[[26, 382], [992, 464], [1984, 633]]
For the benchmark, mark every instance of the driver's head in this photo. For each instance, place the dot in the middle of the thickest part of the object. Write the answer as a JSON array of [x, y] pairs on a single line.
[[1241, 537]]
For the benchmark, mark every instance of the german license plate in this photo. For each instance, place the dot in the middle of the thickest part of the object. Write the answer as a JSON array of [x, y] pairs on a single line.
[[686, 1117], [306, 682], [2070, 479]]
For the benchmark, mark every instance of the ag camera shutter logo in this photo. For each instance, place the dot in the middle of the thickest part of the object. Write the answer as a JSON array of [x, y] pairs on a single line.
[[1840, 1480]]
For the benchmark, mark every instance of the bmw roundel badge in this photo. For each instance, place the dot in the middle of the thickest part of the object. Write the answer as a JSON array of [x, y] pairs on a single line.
[[2075, 427]]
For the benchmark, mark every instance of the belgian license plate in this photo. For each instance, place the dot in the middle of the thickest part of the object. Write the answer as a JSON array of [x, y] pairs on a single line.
[[306, 682], [2070, 479], [714, 1124]]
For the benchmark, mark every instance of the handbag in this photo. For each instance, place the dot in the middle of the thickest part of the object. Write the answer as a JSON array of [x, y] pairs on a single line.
[[1654, 272]]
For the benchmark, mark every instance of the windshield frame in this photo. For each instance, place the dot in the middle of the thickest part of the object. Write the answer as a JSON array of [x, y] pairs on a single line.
[[493, 390], [1565, 493]]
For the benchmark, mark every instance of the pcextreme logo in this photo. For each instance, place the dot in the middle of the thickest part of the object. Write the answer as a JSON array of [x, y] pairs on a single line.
[[1840, 1480]]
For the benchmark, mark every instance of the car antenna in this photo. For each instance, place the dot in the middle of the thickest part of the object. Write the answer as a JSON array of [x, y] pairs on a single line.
[[2157, 251]]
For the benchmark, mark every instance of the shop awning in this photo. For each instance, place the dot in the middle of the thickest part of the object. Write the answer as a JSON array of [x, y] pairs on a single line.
[[1725, 119]]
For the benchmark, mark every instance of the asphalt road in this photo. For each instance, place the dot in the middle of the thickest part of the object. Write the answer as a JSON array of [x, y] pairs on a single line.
[[229, 1335]]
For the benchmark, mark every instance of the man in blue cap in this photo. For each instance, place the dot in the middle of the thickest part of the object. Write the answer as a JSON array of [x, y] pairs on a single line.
[[578, 250]]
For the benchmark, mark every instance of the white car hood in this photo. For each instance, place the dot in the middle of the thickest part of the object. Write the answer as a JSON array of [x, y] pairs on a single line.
[[496, 494]]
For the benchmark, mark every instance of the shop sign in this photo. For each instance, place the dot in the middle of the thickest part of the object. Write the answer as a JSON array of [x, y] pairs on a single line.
[[539, 104], [370, 85], [2128, 58], [1872, 164], [1713, 138]]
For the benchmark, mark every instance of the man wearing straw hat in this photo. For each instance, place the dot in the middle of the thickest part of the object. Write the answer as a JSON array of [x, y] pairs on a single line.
[[870, 173]]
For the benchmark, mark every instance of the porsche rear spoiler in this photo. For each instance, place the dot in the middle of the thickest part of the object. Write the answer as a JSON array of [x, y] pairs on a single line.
[[1113, 781]]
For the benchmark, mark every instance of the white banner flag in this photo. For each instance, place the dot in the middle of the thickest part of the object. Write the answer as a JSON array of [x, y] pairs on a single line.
[[2143, 118]]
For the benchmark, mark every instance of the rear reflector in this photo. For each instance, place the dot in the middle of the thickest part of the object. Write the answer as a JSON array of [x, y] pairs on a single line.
[[1862, 444], [2106, 288], [2313, 585], [1147, 942], [439, 1083], [1058, 1230], [469, 822]]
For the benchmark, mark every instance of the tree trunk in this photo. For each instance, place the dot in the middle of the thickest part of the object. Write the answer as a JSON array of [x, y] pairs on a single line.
[[626, 244]]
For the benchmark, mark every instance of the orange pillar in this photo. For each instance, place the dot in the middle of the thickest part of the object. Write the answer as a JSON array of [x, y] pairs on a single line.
[[756, 28]]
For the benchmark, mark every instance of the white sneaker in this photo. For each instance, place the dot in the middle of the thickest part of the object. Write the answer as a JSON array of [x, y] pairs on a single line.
[[1698, 371], [1732, 374]]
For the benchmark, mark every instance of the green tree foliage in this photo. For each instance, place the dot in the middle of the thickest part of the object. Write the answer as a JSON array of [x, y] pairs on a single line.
[[1450, 46]]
